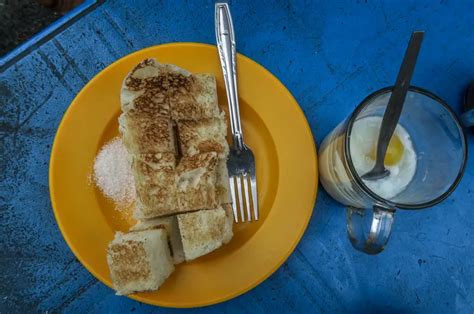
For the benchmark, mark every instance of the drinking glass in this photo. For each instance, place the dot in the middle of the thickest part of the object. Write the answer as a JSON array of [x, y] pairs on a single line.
[[441, 153]]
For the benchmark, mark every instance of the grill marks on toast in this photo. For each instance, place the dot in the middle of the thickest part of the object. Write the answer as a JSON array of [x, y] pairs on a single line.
[[197, 176], [139, 261], [158, 100]]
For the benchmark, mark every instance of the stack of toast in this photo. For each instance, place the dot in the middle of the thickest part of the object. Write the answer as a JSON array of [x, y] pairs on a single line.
[[175, 135]]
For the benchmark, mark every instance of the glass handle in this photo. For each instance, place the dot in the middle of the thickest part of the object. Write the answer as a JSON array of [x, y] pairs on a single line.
[[374, 241]]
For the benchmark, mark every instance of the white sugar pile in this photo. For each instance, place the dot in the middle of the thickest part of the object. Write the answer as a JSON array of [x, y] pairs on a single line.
[[113, 174]]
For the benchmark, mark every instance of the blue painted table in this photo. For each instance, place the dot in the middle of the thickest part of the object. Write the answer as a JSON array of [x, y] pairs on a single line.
[[330, 55]]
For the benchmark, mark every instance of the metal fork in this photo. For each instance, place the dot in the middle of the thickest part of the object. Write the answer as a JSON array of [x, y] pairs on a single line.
[[241, 162]]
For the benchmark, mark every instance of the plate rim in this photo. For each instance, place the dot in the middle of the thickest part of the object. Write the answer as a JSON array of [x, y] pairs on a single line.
[[271, 271]]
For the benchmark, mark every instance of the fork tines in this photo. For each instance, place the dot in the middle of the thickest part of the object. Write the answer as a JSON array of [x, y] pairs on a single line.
[[243, 196]]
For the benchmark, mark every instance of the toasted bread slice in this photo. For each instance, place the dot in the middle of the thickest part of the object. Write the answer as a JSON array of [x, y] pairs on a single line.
[[193, 97], [202, 136], [197, 182], [146, 123], [159, 160], [164, 89], [152, 86], [170, 224], [147, 135], [228, 232], [145, 90], [139, 261], [204, 231], [222, 183], [156, 188]]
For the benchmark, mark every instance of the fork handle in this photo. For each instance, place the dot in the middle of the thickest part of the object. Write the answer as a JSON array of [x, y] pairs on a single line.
[[226, 46]]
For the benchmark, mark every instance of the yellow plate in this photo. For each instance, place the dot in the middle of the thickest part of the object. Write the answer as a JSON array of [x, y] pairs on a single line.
[[274, 127]]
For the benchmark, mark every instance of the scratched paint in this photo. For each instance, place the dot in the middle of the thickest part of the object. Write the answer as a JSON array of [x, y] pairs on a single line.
[[330, 55]]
